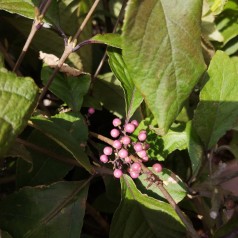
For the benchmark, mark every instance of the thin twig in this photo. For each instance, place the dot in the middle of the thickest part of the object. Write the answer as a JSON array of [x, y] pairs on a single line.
[[182, 216], [86, 19], [8, 179]]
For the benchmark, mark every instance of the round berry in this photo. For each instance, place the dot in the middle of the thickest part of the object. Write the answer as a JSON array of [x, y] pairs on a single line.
[[146, 146], [125, 140], [123, 153], [116, 122], [157, 167], [138, 147], [117, 144], [91, 110], [136, 167], [127, 159], [135, 123], [117, 173], [104, 158], [142, 153], [107, 150], [134, 174], [142, 136], [115, 133], [145, 158], [129, 128]]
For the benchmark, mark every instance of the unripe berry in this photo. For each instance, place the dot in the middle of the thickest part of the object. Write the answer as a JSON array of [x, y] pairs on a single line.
[[135, 123], [136, 167], [117, 144], [142, 153], [104, 158], [123, 153], [125, 140], [91, 110], [157, 167], [138, 147], [134, 174], [107, 150], [142, 136], [116, 122], [115, 133], [117, 173], [129, 128]]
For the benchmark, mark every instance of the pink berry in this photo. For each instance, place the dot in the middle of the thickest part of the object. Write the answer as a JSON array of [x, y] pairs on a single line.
[[127, 159], [115, 133], [117, 144], [125, 140], [104, 158], [146, 146], [145, 158], [136, 167], [91, 110], [157, 167], [117, 173], [135, 123], [107, 150], [142, 153], [134, 174], [123, 153], [116, 122], [142, 136], [129, 128], [138, 147], [143, 131]]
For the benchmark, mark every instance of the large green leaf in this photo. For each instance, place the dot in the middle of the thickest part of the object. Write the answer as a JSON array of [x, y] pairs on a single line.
[[141, 216], [111, 39], [172, 183], [218, 108], [36, 212], [68, 88], [162, 50], [64, 138], [133, 97], [18, 99]]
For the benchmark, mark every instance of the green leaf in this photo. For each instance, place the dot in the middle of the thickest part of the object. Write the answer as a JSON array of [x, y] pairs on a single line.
[[218, 6], [217, 110], [133, 97], [18, 99], [26, 8], [162, 51], [195, 148], [141, 216], [62, 137], [172, 183], [30, 213], [40, 171], [111, 39], [68, 88]]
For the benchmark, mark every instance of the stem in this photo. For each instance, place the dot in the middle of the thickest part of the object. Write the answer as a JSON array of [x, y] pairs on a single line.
[[8, 179], [86, 19], [37, 23], [158, 182]]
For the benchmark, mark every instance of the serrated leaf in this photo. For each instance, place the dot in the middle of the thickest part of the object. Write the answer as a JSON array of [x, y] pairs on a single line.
[[33, 219], [217, 110], [162, 50], [111, 39], [172, 183], [141, 216], [133, 97], [68, 88], [63, 138], [18, 99]]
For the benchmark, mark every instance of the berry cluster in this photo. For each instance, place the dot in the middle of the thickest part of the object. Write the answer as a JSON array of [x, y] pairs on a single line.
[[123, 147]]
